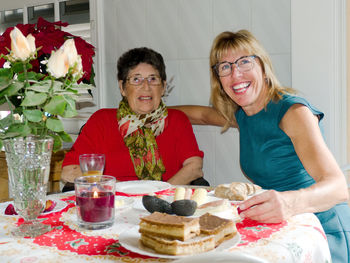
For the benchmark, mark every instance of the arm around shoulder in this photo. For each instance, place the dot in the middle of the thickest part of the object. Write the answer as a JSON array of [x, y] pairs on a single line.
[[201, 115]]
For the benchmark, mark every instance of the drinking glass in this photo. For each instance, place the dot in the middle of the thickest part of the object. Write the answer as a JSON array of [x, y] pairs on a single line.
[[92, 163], [28, 161]]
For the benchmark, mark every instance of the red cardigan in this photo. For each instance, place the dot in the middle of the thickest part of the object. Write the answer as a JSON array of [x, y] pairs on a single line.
[[101, 135]]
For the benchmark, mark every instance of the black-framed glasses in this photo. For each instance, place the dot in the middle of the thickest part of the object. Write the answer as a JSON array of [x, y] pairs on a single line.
[[137, 80], [243, 64]]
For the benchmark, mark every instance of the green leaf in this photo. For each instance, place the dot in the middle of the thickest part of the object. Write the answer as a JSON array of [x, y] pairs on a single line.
[[56, 106], [39, 76], [6, 72], [40, 87], [65, 137], [54, 125], [57, 142], [5, 77], [38, 128], [57, 86], [2, 100], [33, 115], [18, 67], [33, 99], [70, 110], [21, 129], [30, 76], [6, 122], [12, 89], [72, 90], [82, 87]]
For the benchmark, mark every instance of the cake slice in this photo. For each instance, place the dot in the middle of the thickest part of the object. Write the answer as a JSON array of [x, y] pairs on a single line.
[[222, 229], [169, 226], [163, 233], [198, 244]]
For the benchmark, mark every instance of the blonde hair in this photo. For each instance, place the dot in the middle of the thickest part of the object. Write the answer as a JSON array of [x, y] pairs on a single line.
[[240, 41]]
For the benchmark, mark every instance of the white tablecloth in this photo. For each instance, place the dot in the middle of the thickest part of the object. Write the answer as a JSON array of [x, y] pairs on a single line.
[[300, 239]]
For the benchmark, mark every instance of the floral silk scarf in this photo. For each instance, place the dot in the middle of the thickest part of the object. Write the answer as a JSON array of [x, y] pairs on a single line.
[[139, 132]]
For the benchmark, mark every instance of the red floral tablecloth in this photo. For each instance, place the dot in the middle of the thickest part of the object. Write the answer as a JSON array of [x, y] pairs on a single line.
[[300, 239]]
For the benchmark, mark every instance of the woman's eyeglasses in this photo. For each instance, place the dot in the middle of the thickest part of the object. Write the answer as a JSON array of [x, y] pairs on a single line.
[[243, 64], [137, 80]]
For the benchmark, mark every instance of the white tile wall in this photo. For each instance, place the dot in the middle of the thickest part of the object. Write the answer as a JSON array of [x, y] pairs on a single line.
[[163, 27], [231, 15], [194, 81], [271, 24], [182, 31], [195, 28]]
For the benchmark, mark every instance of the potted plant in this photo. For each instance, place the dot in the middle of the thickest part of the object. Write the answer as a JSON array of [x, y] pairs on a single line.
[[43, 71]]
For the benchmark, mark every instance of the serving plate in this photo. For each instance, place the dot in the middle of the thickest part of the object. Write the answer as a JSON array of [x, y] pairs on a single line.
[[223, 257], [59, 206], [141, 187], [130, 240]]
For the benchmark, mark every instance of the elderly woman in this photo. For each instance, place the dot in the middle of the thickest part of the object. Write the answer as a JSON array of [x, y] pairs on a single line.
[[142, 139], [281, 144]]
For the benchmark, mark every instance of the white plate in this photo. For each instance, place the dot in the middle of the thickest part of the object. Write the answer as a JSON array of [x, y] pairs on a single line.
[[59, 206], [123, 201], [130, 240], [223, 257], [141, 187]]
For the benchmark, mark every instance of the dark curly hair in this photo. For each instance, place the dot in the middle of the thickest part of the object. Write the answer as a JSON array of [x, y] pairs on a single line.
[[135, 56]]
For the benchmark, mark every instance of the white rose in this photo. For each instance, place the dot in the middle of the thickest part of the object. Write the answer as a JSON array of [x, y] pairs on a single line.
[[77, 70], [71, 51], [72, 61], [58, 63], [21, 47], [75, 62], [31, 41]]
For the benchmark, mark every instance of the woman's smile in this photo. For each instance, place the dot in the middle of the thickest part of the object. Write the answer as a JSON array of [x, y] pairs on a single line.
[[241, 88]]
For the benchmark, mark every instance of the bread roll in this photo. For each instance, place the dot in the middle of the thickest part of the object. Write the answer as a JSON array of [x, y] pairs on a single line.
[[238, 191], [188, 193], [200, 196], [179, 193]]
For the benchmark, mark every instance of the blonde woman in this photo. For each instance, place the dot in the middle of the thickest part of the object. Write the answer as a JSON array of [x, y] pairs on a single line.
[[281, 144]]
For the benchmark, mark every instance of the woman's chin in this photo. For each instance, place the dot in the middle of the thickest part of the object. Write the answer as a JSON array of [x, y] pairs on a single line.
[[145, 108], [143, 111]]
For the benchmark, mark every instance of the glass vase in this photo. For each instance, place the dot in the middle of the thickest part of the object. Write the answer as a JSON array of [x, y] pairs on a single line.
[[28, 160]]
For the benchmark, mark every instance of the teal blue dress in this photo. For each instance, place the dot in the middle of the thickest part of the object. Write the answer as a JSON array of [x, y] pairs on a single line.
[[268, 158]]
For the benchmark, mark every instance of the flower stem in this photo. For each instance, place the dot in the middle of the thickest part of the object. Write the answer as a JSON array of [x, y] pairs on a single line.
[[26, 84]]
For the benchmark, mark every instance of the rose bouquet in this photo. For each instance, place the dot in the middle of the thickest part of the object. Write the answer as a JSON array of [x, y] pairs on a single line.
[[43, 70]]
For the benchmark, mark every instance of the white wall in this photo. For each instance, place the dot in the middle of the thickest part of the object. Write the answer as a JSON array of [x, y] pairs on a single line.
[[319, 64], [183, 30]]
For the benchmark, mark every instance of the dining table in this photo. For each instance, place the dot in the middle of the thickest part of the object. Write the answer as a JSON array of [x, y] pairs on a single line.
[[299, 239]]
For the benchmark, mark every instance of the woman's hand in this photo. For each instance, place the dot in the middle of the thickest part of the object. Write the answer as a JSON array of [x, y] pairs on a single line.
[[70, 172], [191, 170], [269, 206]]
